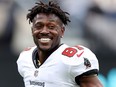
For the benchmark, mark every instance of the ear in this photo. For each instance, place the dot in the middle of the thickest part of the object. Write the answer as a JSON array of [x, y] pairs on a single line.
[[62, 31], [32, 31], [31, 28]]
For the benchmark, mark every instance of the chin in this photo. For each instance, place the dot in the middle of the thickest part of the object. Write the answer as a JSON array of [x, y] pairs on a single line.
[[44, 48]]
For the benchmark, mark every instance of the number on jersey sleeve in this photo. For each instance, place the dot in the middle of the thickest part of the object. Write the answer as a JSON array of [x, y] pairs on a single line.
[[71, 51]]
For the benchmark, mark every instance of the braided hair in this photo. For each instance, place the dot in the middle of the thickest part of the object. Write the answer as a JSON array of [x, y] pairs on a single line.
[[48, 8]]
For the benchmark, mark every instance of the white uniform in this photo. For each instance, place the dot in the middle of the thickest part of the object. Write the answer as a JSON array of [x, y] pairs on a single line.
[[60, 69]]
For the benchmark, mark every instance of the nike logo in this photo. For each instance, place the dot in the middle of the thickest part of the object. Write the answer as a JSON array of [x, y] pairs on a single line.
[[78, 55]]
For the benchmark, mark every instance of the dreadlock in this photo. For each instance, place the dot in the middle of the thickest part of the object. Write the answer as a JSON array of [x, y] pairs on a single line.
[[48, 8]]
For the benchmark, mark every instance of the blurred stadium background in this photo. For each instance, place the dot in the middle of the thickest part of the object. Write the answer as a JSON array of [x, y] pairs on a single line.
[[93, 25]]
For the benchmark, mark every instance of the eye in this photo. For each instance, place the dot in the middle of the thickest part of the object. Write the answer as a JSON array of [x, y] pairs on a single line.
[[51, 26], [39, 25]]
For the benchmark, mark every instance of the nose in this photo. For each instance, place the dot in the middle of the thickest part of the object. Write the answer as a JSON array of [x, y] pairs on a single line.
[[45, 30]]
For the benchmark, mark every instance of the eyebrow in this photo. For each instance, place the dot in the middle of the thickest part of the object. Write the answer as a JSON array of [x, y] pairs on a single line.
[[51, 20], [36, 22]]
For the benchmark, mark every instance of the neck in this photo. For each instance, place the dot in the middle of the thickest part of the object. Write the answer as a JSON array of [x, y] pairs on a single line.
[[43, 55]]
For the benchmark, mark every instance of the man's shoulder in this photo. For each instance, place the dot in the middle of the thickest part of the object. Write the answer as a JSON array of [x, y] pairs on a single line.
[[28, 50], [75, 55], [78, 50], [27, 53]]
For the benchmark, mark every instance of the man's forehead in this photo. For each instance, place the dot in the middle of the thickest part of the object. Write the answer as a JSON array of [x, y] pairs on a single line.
[[46, 16]]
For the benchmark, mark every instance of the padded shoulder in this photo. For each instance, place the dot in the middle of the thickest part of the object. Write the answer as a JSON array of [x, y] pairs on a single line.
[[80, 59], [25, 59], [76, 55]]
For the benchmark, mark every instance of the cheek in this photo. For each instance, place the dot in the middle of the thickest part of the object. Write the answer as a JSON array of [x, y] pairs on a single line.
[[35, 32], [57, 37], [57, 33]]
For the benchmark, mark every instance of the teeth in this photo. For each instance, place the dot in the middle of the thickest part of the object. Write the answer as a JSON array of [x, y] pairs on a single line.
[[44, 39]]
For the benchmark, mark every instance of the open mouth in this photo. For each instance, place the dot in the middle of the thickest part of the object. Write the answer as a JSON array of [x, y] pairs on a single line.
[[44, 40]]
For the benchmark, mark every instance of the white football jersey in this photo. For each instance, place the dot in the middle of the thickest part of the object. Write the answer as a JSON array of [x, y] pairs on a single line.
[[60, 69]]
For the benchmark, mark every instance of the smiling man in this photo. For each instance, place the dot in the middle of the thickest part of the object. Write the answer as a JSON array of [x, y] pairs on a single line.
[[51, 63], [47, 31]]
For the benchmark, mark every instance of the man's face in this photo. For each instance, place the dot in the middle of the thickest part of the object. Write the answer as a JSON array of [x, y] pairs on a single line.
[[47, 31]]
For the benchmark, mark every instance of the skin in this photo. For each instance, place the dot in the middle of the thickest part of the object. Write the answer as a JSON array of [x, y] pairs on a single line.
[[90, 81], [50, 27]]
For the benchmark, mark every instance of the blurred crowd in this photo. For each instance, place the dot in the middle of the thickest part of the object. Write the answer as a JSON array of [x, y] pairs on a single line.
[[93, 24]]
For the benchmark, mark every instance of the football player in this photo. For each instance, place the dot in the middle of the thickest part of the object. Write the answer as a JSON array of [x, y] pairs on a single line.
[[51, 63]]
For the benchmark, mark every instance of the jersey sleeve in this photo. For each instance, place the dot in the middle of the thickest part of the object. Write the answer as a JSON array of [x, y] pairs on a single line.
[[20, 64], [87, 66], [25, 60]]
